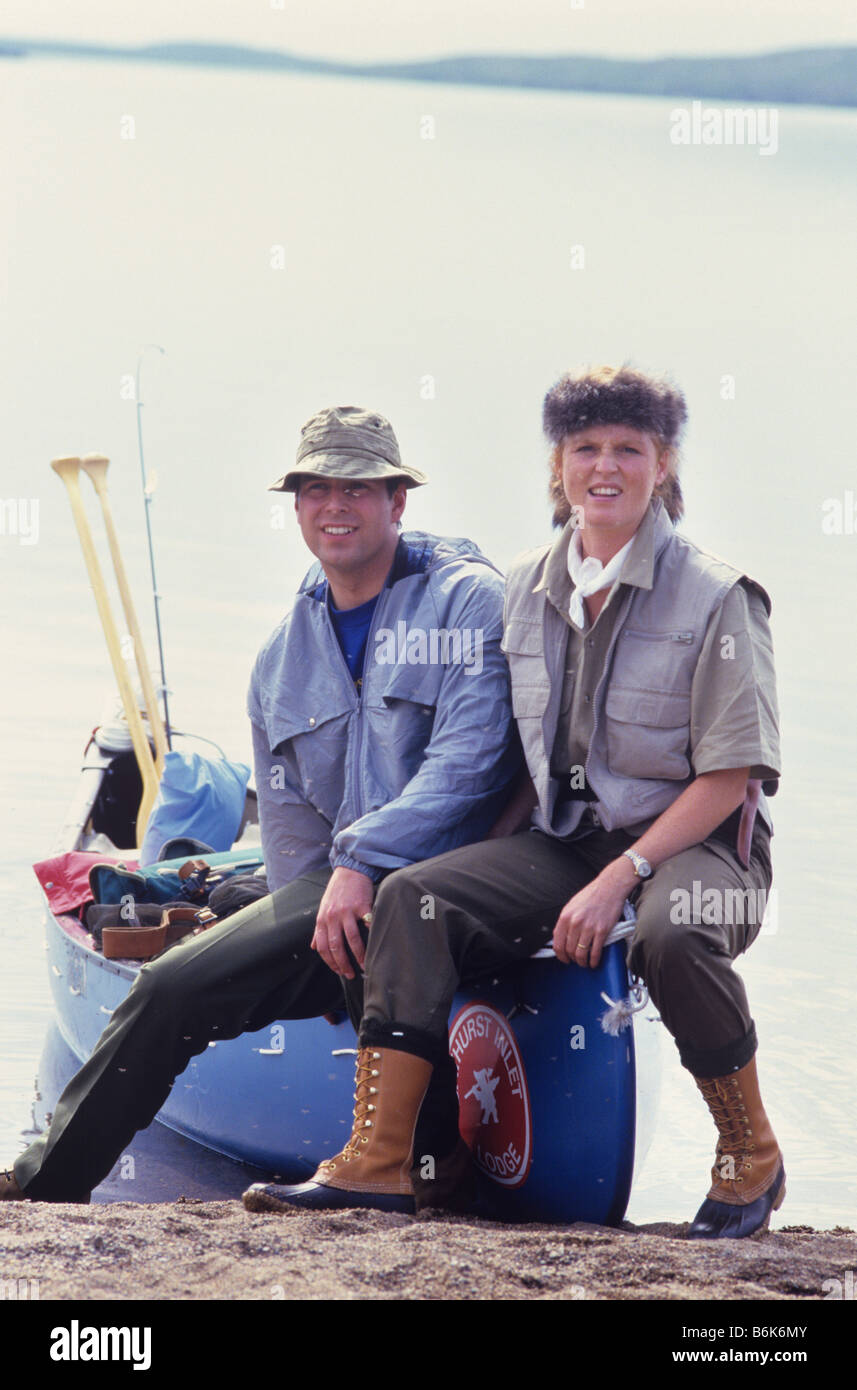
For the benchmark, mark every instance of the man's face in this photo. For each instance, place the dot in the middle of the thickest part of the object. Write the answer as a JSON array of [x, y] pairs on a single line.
[[610, 471], [349, 524]]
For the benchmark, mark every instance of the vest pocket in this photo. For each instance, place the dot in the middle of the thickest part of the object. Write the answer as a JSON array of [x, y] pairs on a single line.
[[523, 637], [529, 701], [655, 661], [523, 645], [648, 733]]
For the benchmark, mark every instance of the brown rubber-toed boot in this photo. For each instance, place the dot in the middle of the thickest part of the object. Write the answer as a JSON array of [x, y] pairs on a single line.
[[9, 1189], [749, 1179], [373, 1170]]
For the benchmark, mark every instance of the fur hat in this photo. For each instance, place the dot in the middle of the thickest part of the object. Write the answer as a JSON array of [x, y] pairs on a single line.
[[615, 396]]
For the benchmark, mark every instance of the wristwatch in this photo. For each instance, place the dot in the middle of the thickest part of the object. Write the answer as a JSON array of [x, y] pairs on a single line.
[[642, 867]]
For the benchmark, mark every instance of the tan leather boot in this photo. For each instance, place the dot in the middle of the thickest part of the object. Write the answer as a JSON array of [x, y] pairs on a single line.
[[748, 1177], [373, 1170]]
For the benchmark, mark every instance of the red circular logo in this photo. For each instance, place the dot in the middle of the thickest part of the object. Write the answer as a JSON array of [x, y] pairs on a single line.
[[494, 1106]]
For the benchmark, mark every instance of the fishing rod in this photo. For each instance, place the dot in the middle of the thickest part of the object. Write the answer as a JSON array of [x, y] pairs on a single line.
[[147, 498]]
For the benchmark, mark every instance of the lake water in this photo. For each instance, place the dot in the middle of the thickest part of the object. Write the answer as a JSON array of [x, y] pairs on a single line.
[[297, 242]]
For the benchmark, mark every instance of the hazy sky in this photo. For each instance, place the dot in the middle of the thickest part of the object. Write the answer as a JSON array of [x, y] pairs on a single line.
[[358, 29]]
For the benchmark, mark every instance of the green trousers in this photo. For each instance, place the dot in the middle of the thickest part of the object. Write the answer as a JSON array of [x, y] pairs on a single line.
[[450, 918], [484, 906], [252, 969]]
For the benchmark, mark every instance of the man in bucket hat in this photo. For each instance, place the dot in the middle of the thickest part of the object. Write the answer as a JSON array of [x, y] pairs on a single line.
[[643, 681], [363, 765], [348, 442]]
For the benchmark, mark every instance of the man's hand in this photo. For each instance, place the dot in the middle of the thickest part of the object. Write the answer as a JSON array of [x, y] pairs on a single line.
[[347, 898], [589, 917]]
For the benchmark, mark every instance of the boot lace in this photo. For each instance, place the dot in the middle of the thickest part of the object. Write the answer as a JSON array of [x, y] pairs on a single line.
[[735, 1135], [366, 1075]]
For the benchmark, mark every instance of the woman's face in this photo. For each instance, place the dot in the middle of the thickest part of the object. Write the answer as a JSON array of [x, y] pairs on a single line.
[[608, 474]]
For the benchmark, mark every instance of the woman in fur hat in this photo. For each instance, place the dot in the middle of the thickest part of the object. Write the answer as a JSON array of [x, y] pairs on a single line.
[[643, 685], [668, 714]]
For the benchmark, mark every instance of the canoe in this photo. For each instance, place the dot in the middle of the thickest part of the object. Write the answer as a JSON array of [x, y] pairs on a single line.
[[555, 1109]]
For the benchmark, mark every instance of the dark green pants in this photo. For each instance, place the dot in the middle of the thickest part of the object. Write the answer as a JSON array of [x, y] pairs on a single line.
[[488, 905], [255, 968]]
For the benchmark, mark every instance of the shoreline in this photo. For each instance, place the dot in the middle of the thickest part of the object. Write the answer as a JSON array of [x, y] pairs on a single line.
[[198, 1250]]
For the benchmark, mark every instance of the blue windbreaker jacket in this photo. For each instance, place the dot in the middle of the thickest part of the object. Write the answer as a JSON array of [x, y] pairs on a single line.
[[417, 763]]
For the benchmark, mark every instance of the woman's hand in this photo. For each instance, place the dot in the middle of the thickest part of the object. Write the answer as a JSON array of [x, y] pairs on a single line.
[[588, 918]]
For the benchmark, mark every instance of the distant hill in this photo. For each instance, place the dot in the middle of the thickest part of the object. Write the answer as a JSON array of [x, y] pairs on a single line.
[[823, 76], [816, 76]]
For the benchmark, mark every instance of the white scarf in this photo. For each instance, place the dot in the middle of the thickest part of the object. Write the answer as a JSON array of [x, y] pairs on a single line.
[[590, 576]]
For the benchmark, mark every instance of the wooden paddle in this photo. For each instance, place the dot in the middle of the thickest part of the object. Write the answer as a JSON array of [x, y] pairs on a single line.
[[68, 469], [96, 466]]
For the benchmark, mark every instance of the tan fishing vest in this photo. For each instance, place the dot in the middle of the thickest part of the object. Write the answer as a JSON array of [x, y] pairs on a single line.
[[638, 759]]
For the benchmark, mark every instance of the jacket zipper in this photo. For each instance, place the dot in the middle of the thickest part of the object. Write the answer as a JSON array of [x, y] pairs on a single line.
[[358, 749], [348, 676]]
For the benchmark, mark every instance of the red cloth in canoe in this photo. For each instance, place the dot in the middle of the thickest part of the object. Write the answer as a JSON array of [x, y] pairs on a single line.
[[65, 878]]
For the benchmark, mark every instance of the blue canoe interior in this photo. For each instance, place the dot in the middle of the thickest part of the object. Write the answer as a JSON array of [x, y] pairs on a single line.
[[549, 1100]]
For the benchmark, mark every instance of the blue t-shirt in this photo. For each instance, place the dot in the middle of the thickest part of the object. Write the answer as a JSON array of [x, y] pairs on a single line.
[[351, 626]]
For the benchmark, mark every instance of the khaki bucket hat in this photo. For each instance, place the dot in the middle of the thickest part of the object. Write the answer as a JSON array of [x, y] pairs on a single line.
[[345, 441]]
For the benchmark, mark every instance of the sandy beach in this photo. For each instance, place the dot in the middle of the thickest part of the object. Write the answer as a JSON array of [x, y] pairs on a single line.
[[216, 1250]]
